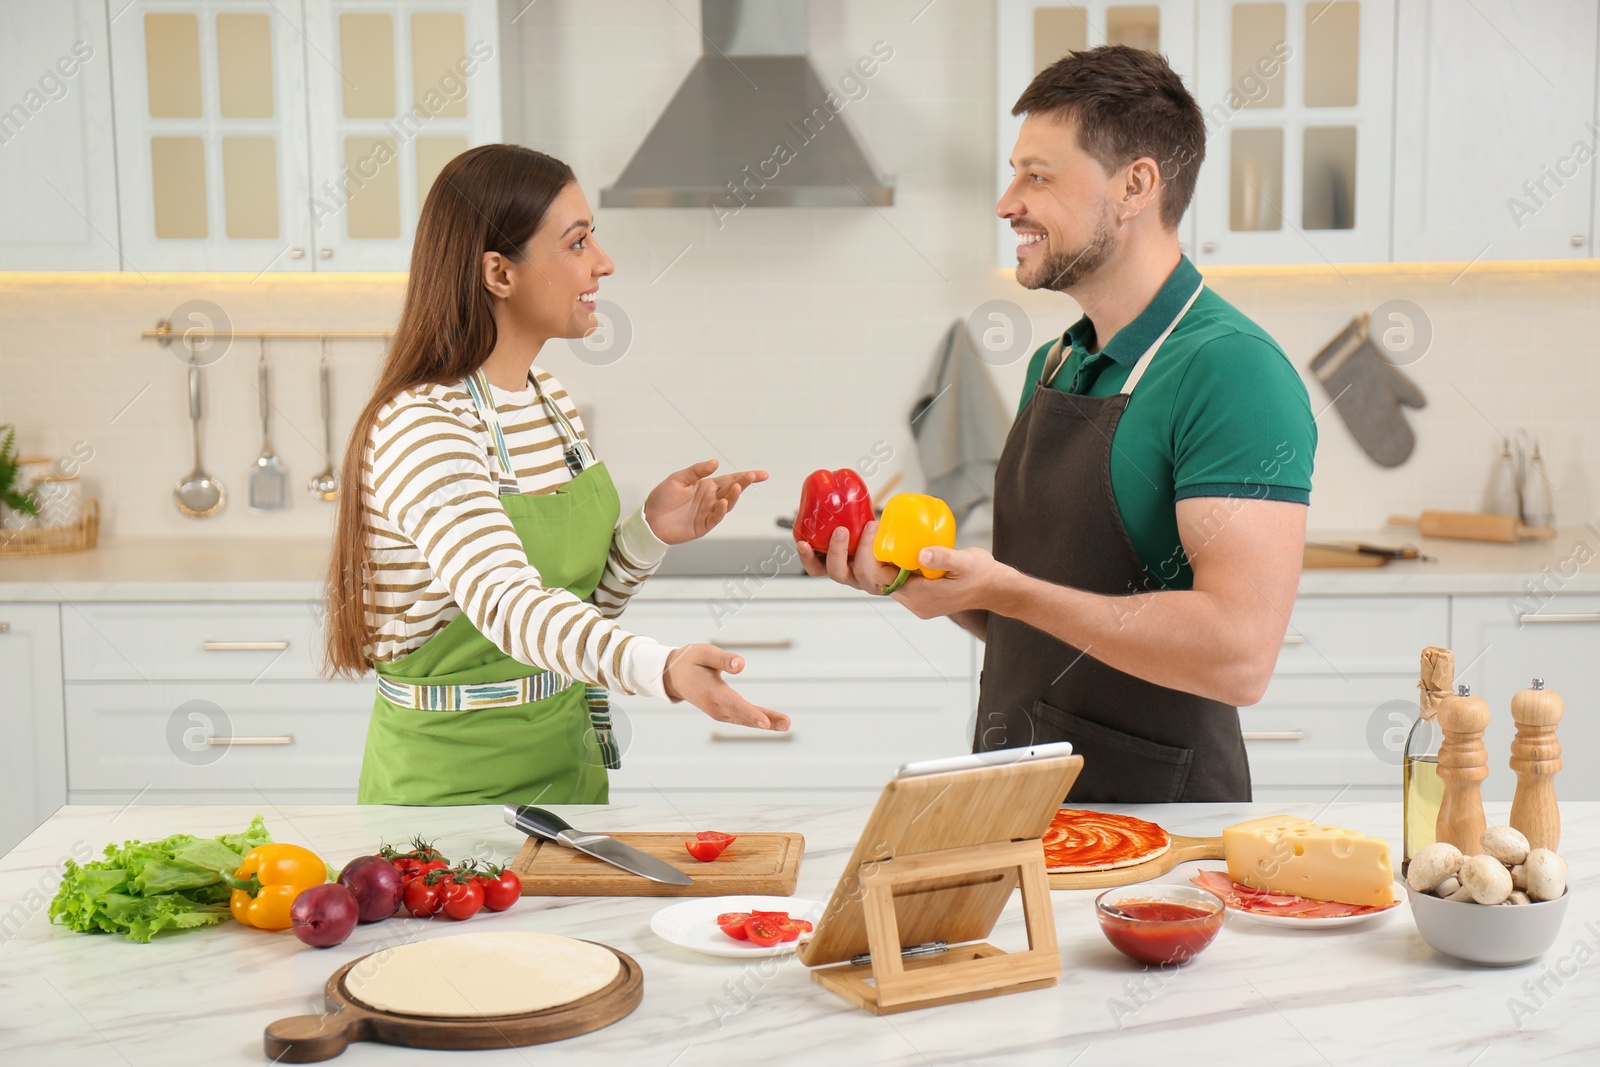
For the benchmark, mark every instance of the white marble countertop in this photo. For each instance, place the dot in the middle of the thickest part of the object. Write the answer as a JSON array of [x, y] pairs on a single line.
[[292, 570], [1373, 993]]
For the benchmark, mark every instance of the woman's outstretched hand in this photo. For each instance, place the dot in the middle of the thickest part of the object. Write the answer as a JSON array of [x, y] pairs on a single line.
[[690, 503], [694, 673]]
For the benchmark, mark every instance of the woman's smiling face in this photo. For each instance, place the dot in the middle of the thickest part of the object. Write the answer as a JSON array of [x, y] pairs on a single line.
[[553, 287]]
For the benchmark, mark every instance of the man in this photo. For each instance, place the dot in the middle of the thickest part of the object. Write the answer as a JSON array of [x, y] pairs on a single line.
[[1150, 504]]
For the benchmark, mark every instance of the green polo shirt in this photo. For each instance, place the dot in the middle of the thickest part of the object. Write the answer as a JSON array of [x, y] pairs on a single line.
[[1220, 412]]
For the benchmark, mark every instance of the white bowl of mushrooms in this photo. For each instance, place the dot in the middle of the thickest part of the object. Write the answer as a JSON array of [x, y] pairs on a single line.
[[1503, 905]]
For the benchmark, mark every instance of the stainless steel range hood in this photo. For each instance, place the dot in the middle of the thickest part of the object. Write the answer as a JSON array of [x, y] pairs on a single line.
[[750, 125]]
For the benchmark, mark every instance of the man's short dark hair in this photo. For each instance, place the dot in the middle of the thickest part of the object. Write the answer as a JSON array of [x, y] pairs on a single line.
[[1128, 103]]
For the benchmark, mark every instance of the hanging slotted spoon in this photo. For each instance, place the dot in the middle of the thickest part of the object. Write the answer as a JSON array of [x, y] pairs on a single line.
[[269, 481], [325, 486], [199, 495]]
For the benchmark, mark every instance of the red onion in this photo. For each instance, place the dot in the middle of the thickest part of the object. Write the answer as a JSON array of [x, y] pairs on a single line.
[[375, 884], [324, 915]]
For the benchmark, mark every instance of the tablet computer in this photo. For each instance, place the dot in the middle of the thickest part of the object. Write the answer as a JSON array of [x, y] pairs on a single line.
[[993, 758]]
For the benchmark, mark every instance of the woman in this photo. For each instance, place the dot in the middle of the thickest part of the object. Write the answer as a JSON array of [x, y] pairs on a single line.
[[480, 567]]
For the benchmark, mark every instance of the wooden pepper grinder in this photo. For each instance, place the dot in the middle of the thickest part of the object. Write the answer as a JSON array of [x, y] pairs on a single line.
[[1536, 757], [1463, 765]]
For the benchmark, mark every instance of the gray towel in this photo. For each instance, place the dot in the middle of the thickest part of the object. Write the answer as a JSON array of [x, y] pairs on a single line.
[[1370, 393], [960, 425]]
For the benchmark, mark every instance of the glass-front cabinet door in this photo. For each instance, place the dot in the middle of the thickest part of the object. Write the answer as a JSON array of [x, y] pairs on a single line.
[[1297, 97], [212, 155], [401, 89], [1032, 34]]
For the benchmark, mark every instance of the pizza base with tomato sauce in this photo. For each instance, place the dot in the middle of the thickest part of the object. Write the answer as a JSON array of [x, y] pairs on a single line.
[[1081, 841]]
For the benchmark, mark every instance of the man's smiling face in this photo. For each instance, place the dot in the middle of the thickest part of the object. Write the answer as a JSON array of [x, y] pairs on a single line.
[[1059, 203]]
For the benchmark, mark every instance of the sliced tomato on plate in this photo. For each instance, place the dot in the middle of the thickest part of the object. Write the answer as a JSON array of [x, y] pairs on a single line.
[[732, 924], [764, 930]]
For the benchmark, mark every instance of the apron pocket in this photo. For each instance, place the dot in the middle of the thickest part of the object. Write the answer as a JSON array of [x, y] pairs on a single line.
[[1118, 767]]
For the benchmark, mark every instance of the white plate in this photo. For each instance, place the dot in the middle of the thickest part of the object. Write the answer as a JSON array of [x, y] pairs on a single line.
[[1296, 922], [692, 924]]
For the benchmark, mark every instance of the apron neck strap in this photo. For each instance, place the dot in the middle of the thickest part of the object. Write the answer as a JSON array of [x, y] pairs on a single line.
[[1144, 360], [575, 451], [483, 400]]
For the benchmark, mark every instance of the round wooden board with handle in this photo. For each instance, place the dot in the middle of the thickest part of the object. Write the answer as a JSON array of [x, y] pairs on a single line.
[[1181, 850], [310, 1038]]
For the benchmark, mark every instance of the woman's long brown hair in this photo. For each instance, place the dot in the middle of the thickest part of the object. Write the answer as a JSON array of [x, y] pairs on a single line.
[[487, 199]]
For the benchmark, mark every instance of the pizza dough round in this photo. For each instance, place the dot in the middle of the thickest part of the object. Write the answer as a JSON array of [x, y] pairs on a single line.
[[473, 975], [1082, 841]]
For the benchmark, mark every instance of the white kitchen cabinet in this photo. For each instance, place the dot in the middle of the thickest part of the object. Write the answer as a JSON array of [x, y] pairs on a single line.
[[1297, 97], [191, 641], [57, 171], [402, 87], [1501, 645], [1495, 130], [212, 161], [216, 742], [33, 760], [1032, 34]]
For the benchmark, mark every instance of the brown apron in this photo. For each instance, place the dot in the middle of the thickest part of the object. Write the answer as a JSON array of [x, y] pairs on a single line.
[[1057, 520]]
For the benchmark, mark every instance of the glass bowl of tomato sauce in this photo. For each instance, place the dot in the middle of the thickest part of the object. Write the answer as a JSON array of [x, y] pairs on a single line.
[[1159, 923]]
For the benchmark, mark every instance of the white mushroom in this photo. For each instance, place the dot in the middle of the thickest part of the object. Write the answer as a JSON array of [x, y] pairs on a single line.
[[1505, 843], [1462, 894], [1447, 887], [1517, 897], [1547, 875], [1486, 878], [1433, 864], [1519, 876]]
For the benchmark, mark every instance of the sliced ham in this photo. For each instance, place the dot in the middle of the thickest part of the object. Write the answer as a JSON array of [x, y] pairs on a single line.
[[1244, 898]]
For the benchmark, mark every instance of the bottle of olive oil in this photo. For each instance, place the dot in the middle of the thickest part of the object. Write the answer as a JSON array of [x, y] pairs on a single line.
[[1423, 791]]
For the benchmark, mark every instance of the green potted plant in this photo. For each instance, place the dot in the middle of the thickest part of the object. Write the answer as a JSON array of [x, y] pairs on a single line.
[[14, 499]]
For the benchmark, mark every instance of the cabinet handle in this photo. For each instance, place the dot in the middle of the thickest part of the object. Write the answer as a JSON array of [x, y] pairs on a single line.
[[297, 253], [1576, 616], [782, 642], [1274, 735], [325, 253], [5, 627], [228, 742], [1577, 240], [244, 646], [1208, 246], [754, 735], [1293, 639]]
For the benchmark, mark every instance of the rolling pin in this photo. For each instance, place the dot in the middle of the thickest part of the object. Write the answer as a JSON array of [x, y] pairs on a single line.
[[1473, 526]]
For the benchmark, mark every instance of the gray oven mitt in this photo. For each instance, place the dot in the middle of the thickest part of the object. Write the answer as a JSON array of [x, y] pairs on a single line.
[[1370, 393]]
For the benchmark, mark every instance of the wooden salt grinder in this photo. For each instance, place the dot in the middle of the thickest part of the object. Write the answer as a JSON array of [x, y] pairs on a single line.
[[1536, 757], [1463, 765]]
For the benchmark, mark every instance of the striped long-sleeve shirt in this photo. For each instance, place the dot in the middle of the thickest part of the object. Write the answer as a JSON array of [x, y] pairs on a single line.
[[441, 542]]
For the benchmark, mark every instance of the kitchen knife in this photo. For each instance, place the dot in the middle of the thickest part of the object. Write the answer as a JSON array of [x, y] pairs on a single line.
[[548, 826]]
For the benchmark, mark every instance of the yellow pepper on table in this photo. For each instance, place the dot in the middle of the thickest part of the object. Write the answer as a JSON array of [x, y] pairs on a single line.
[[266, 883], [912, 522]]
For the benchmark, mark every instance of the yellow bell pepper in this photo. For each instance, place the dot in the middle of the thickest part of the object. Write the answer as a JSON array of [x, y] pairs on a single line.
[[912, 522], [266, 883]]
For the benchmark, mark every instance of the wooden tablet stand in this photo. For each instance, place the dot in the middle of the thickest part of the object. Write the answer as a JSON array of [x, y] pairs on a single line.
[[937, 861]]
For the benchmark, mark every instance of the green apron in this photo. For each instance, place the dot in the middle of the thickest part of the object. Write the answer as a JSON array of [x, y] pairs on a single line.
[[549, 751]]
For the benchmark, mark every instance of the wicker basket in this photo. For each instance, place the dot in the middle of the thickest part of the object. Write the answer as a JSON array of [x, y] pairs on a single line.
[[50, 540]]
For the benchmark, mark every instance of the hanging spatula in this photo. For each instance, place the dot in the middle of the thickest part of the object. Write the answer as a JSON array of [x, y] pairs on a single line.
[[269, 481]]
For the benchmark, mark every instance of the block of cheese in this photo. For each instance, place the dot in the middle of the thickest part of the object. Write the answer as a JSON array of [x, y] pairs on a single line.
[[1285, 854]]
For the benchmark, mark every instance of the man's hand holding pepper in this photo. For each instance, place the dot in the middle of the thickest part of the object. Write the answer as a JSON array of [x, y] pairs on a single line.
[[974, 580]]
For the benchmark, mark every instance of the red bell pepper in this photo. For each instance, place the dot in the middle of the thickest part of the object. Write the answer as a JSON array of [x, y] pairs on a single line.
[[829, 500]]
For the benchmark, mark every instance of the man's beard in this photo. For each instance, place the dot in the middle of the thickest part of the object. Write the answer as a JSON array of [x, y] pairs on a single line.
[[1061, 271]]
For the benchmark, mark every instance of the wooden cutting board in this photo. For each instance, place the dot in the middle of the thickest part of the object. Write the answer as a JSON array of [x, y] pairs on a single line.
[[765, 864], [311, 1038], [1182, 850]]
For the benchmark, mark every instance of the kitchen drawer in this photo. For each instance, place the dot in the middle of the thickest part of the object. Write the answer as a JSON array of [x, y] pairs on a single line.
[[286, 735], [799, 639], [1340, 635], [244, 642], [841, 736], [1329, 731]]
